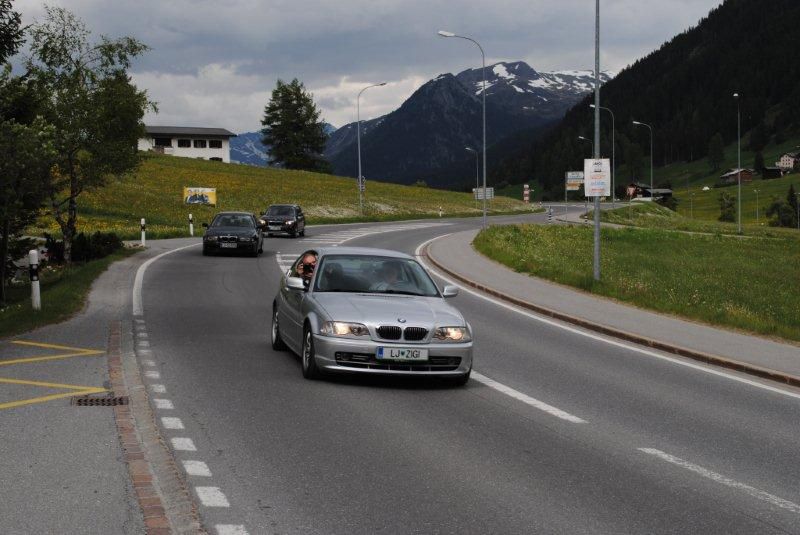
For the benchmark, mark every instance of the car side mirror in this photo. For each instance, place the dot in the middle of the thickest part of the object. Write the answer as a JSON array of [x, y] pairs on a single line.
[[205, 225], [295, 283], [450, 291]]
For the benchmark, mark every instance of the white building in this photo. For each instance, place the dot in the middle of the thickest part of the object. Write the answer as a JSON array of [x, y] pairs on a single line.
[[788, 161], [189, 142]]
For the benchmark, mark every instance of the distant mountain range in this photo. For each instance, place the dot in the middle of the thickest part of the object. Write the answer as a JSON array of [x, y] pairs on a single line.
[[425, 138], [247, 148]]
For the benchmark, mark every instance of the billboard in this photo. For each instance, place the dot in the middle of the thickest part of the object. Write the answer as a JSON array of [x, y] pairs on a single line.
[[193, 195], [598, 177]]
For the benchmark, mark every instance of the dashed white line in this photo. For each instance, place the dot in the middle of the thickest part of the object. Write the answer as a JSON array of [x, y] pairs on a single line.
[[152, 374], [230, 529], [149, 363], [164, 404], [211, 497], [196, 468], [141, 334], [171, 422], [533, 402], [158, 389], [142, 343], [718, 478], [183, 444]]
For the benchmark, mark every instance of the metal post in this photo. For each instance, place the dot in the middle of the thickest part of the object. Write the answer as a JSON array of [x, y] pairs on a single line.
[[477, 173], [613, 153], [143, 230], [33, 270], [597, 137], [360, 179], [739, 152], [191, 225]]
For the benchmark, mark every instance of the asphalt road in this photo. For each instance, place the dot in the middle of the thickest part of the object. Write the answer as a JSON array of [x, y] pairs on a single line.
[[563, 433]]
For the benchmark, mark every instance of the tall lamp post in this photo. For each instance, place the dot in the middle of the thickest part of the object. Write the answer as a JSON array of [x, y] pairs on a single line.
[[443, 33], [477, 172], [613, 150], [358, 134], [637, 123], [739, 153]]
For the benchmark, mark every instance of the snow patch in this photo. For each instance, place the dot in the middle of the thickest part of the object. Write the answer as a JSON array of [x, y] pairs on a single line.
[[500, 71]]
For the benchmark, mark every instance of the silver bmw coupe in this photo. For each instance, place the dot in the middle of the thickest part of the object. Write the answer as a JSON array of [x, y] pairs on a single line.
[[360, 310]]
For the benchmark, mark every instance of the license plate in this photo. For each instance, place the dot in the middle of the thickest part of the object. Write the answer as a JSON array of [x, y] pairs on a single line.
[[226, 245], [274, 227], [401, 353]]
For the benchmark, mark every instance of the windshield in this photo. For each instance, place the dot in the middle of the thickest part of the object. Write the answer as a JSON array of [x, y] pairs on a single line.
[[233, 220], [280, 211], [373, 274]]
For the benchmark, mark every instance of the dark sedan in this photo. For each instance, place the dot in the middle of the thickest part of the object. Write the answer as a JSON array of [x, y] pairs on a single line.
[[236, 232], [284, 219]]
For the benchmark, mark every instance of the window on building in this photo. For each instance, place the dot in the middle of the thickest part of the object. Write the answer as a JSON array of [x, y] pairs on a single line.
[[184, 143], [214, 143], [199, 143], [163, 141]]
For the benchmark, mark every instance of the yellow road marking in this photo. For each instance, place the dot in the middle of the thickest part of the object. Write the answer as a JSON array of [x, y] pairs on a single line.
[[55, 346], [42, 399], [49, 357], [45, 385]]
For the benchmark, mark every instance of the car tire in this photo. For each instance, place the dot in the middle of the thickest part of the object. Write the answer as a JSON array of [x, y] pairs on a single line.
[[303, 233], [309, 363], [462, 380], [293, 234], [275, 332], [205, 251]]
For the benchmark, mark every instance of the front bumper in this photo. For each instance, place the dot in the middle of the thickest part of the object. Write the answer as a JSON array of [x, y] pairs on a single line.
[[346, 355], [282, 227], [241, 246]]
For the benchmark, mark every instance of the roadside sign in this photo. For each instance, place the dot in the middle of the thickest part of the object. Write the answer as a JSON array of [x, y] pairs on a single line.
[[192, 195], [479, 193], [574, 180], [598, 177]]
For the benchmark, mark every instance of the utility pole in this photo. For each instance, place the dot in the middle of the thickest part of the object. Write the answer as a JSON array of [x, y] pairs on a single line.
[[597, 136]]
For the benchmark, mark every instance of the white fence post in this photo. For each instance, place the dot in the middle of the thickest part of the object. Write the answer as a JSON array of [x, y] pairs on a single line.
[[143, 231], [33, 267], [191, 225]]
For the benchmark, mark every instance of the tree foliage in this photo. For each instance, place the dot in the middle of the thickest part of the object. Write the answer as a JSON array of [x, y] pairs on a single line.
[[727, 207], [293, 130], [95, 109], [11, 31]]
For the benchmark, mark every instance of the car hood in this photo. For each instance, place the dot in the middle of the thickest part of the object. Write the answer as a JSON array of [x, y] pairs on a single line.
[[278, 217], [376, 309], [230, 231]]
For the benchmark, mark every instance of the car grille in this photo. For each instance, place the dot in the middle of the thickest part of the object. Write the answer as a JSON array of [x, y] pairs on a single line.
[[366, 361], [389, 332], [415, 333], [228, 239]]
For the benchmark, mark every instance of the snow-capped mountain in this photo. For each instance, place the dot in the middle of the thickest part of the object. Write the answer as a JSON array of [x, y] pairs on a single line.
[[430, 130], [247, 148]]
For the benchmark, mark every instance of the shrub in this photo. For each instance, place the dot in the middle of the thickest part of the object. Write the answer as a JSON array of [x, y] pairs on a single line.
[[727, 207], [84, 247]]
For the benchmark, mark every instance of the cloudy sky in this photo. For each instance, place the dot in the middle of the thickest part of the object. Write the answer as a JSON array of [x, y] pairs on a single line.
[[214, 63]]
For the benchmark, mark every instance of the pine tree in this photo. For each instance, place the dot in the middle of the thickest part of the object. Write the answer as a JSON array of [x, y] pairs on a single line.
[[716, 151], [293, 130]]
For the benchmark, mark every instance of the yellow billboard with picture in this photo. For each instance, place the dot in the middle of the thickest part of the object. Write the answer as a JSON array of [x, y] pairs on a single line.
[[207, 196]]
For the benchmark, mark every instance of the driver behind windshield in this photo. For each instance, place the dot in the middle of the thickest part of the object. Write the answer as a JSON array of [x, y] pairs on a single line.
[[390, 273]]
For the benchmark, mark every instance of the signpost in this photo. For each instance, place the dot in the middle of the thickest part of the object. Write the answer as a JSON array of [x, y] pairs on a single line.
[[480, 195], [573, 181]]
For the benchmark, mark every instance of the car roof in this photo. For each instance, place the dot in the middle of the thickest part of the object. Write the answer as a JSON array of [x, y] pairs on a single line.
[[289, 205], [361, 251], [232, 213]]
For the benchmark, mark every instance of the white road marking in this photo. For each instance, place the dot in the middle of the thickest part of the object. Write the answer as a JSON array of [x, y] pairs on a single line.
[[163, 404], [230, 529], [196, 468], [141, 334], [533, 402], [142, 343], [139, 321], [171, 422], [211, 497], [158, 389], [183, 444], [593, 336], [149, 363], [144, 352], [150, 374], [718, 478], [138, 280]]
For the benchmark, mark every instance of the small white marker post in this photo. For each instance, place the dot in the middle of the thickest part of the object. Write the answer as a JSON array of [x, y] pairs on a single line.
[[143, 230], [440, 211], [191, 225], [33, 267]]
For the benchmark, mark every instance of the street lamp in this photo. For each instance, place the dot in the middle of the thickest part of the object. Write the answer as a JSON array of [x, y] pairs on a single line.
[[477, 172], [756, 192], [590, 141], [358, 134], [443, 33], [613, 149], [637, 123], [739, 152]]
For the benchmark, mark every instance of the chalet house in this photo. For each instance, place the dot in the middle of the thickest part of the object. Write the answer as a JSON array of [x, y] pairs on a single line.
[[189, 142], [789, 161], [773, 172], [640, 190], [732, 176]]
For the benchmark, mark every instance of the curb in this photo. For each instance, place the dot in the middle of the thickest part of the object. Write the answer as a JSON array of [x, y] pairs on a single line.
[[708, 358]]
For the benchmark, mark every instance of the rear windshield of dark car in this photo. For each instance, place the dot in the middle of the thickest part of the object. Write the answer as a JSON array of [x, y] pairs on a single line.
[[280, 211]]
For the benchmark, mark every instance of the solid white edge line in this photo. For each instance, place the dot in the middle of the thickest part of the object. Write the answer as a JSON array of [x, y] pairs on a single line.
[[719, 478], [533, 402], [594, 336], [212, 497], [196, 468], [230, 529], [138, 280]]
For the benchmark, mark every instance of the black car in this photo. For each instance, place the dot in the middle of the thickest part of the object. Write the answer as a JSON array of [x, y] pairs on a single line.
[[284, 219], [236, 232]]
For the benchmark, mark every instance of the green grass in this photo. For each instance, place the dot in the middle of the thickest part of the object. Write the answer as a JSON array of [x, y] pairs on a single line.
[[64, 292], [653, 215], [748, 284], [155, 191]]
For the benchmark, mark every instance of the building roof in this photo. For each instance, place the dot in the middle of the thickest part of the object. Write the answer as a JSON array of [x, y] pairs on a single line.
[[187, 131], [735, 172], [791, 154]]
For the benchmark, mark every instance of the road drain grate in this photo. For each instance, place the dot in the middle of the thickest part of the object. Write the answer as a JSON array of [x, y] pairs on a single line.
[[99, 401]]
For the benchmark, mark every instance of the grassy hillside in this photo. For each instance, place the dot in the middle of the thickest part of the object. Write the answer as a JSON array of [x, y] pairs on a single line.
[[155, 193]]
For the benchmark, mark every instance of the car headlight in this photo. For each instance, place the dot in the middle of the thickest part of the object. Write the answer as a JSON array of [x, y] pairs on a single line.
[[290, 223], [211, 238], [342, 328], [452, 334]]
